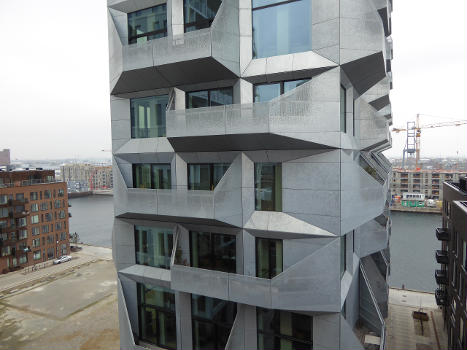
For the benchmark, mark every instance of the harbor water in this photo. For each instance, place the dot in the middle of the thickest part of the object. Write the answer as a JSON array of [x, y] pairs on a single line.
[[413, 240]]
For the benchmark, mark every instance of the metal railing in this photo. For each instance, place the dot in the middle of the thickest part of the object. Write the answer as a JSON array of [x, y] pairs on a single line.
[[28, 183]]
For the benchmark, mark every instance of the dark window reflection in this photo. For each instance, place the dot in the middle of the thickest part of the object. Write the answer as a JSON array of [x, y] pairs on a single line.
[[153, 246], [269, 258], [147, 24], [209, 98], [155, 176], [269, 91], [156, 310], [205, 176], [212, 322], [213, 251], [282, 28], [282, 330], [199, 14], [343, 108], [268, 186], [148, 116]]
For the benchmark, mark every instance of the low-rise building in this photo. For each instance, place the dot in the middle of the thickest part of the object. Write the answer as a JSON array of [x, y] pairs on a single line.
[[34, 215], [452, 277]]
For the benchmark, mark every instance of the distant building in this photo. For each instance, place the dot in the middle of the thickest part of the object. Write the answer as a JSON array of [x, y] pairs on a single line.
[[33, 218], [427, 182], [94, 176], [452, 257], [5, 157]]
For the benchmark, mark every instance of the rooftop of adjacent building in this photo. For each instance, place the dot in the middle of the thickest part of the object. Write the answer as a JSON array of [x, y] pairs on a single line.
[[26, 177], [427, 171]]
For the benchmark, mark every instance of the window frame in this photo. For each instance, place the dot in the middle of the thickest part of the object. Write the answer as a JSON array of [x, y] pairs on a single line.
[[280, 82], [151, 171], [154, 231], [343, 114], [212, 185], [202, 24], [133, 119], [212, 255], [209, 96], [154, 32], [270, 260], [277, 206]]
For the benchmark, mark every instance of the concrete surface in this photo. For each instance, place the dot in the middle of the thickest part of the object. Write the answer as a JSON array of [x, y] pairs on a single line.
[[403, 332], [70, 308]]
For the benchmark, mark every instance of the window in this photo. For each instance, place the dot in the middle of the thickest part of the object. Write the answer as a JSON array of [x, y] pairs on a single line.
[[343, 109], [23, 259], [3, 212], [209, 98], [35, 231], [47, 194], [153, 246], [50, 253], [269, 260], [22, 222], [155, 176], [64, 249], [34, 219], [343, 264], [33, 196], [205, 176], [20, 197], [281, 27], [44, 206], [36, 242], [6, 251], [199, 14], [58, 226], [213, 251], [353, 119], [48, 217], [45, 228], [63, 236], [50, 239], [268, 186], [34, 207], [147, 24], [283, 330], [61, 214], [156, 306], [37, 255], [61, 192], [212, 321], [148, 116], [3, 198], [269, 91], [57, 203]]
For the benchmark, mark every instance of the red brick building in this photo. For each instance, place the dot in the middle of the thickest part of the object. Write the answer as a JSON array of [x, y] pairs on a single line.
[[33, 218]]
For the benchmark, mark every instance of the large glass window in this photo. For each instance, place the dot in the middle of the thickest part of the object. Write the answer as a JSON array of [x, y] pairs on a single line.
[[268, 186], [283, 330], [155, 176], [209, 98], [213, 251], [281, 27], [212, 321], [343, 108], [199, 14], [205, 176], [148, 116], [266, 92], [147, 24], [153, 246], [269, 260], [157, 325]]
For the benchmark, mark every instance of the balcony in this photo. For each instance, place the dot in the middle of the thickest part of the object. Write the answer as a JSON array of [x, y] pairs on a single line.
[[442, 257], [442, 234], [440, 296], [300, 119], [203, 55], [441, 277], [21, 214]]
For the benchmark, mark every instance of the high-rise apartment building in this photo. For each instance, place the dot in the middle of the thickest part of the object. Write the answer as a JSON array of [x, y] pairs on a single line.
[[5, 157], [251, 195], [94, 176], [452, 276], [33, 218]]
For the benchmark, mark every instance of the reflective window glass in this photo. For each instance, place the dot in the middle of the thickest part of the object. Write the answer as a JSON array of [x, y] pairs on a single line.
[[268, 186], [213, 251], [153, 246], [269, 258], [156, 306], [148, 116], [199, 14], [205, 176], [282, 28], [343, 109], [147, 24], [212, 322], [155, 176], [209, 98], [269, 91]]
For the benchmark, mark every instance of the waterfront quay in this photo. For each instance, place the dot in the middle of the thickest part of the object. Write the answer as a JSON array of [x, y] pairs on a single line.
[[68, 306]]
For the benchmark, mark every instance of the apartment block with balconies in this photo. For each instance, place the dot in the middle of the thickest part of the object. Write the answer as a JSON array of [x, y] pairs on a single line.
[[250, 189]]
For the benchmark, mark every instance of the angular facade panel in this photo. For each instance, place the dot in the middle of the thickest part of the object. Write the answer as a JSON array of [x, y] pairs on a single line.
[[249, 183]]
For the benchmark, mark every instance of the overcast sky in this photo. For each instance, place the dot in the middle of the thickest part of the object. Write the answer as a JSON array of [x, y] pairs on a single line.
[[54, 76]]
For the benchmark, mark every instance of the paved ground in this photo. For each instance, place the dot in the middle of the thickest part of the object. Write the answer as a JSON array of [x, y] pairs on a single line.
[[70, 306], [405, 333]]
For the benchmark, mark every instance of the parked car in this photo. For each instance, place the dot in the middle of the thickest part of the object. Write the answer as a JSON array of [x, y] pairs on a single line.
[[63, 258]]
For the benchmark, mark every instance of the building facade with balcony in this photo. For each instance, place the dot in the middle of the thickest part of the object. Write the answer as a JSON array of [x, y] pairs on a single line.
[[452, 257], [426, 182], [251, 195], [33, 218]]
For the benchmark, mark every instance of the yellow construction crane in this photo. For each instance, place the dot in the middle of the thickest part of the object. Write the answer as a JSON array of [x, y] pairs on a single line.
[[414, 132]]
